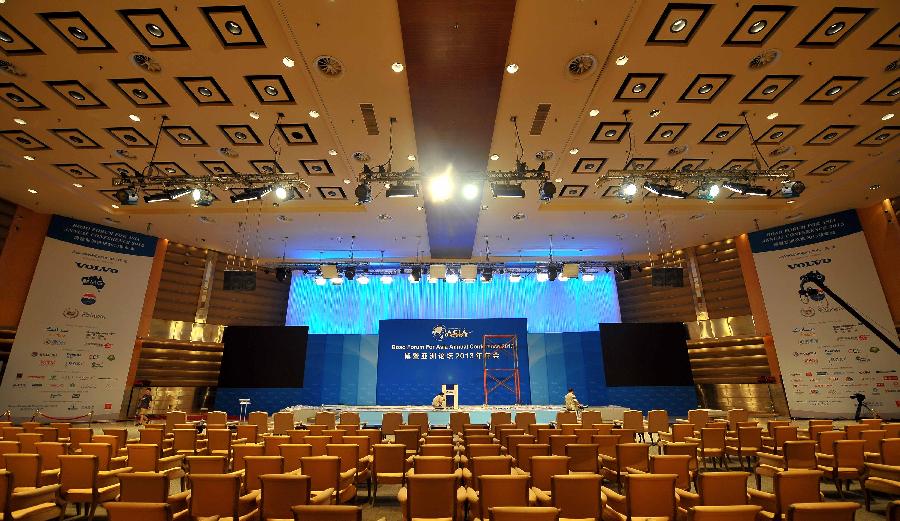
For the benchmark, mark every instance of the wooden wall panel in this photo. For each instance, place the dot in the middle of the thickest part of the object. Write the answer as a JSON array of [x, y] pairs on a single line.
[[722, 279], [179, 287], [7, 212], [641, 302], [266, 306]]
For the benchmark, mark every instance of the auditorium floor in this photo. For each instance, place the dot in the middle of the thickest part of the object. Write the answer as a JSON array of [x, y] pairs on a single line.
[[388, 509]]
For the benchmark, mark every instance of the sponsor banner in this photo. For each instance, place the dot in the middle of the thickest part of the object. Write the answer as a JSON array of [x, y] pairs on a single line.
[[416, 356], [830, 321], [75, 340]]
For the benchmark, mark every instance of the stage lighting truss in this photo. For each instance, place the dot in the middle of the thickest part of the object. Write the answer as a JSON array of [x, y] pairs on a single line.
[[702, 184]]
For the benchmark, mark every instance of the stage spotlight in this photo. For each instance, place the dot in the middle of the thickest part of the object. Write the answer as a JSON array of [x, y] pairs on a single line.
[[487, 274], [440, 187], [515, 277], [363, 193], [281, 192], [432, 280], [541, 276], [626, 272], [664, 190], [251, 194], [350, 272], [281, 274], [127, 196], [156, 198], [508, 190], [746, 189], [337, 281], [628, 190], [587, 277], [386, 279], [708, 192], [470, 191], [402, 190], [320, 280], [552, 272], [546, 191], [202, 197], [791, 189], [606, 269], [562, 278], [363, 279], [416, 274], [452, 278]]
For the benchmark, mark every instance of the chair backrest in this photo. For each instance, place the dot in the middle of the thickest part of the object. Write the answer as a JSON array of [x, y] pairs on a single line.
[[388, 458], [650, 495], [261, 420], [122, 511], [248, 431], [271, 443], [47, 433], [850, 454], [723, 488], [390, 421], [633, 455], [890, 451], [365, 444], [293, 453], [27, 440], [431, 496], [256, 466], [78, 471], [297, 435], [796, 486], [583, 457], [632, 420], [50, 451], [318, 444], [784, 433], [150, 436], [893, 429], [578, 496], [657, 420], [606, 444], [347, 452], [698, 417], [816, 423], [826, 441], [814, 430], [750, 437], [872, 423], [458, 420], [566, 417], [853, 430], [282, 422], [408, 437], [77, 436], [799, 454], [184, 440], [62, 427], [327, 513], [143, 457], [349, 418], [712, 438], [830, 511], [545, 467], [446, 450], [482, 449], [280, 492], [9, 433], [524, 419], [479, 439], [558, 443], [103, 452], [733, 416], [500, 418], [678, 464], [526, 451], [502, 491], [724, 513], [326, 418], [219, 439], [433, 465], [873, 439], [543, 435], [216, 419], [591, 418], [418, 419], [143, 487], [242, 451], [206, 464], [683, 448], [524, 514], [25, 468], [438, 440], [214, 495], [681, 430], [173, 418], [772, 424], [487, 466], [323, 471]]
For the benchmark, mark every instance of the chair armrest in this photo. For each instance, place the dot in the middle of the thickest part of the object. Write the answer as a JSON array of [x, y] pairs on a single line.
[[471, 496], [877, 470], [118, 462], [691, 439], [542, 497], [631, 470], [461, 495], [350, 473], [687, 499], [774, 460], [532, 498], [179, 501], [322, 498], [764, 499], [29, 498], [171, 462], [615, 500], [824, 459]]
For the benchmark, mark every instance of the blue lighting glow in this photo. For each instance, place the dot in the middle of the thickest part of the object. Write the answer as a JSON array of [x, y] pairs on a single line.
[[550, 307]]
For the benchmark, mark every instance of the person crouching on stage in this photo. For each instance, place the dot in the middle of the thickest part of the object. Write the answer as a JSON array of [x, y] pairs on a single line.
[[572, 403], [439, 402]]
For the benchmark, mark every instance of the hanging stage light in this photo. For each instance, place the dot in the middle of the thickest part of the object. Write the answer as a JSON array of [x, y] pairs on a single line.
[[363, 279], [507, 190], [791, 189], [402, 190], [350, 272], [416, 274], [547, 190], [541, 276], [587, 277], [251, 194], [167, 195], [487, 274], [628, 189], [515, 277], [664, 190], [386, 279], [127, 196], [202, 197], [282, 274], [552, 272], [746, 189], [626, 272], [708, 192], [363, 193]]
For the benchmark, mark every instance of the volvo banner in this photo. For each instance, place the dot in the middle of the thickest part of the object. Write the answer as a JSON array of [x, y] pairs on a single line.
[[74, 344], [832, 329]]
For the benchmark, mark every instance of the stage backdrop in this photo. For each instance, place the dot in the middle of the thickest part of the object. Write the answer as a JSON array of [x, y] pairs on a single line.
[[550, 307], [826, 354], [416, 356], [75, 341]]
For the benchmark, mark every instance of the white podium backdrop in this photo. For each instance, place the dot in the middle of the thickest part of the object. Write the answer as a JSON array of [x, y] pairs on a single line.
[[825, 354], [74, 344]]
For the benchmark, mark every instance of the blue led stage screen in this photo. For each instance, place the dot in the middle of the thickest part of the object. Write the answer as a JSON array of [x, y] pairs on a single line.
[[416, 356]]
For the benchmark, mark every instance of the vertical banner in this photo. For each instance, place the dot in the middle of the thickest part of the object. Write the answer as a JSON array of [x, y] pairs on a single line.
[[75, 341], [833, 332]]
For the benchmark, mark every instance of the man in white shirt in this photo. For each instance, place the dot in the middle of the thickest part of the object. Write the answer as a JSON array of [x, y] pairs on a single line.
[[439, 402], [572, 402]]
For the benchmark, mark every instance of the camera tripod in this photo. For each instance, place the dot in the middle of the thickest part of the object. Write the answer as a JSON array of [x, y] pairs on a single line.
[[860, 405]]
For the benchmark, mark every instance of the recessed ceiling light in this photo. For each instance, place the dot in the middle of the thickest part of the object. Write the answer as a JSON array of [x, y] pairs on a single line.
[[886, 117], [721, 134], [874, 187], [78, 185], [678, 25], [769, 89], [495, 157], [232, 27], [313, 114], [638, 88], [21, 121], [411, 157], [420, 208], [834, 28], [666, 134], [332, 152], [594, 113], [512, 68], [30, 158], [833, 90], [622, 60], [654, 113], [287, 62], [254, 115], [772, 115], [346, 181], [387, 185], [790, 201], [134, 117], [397, 67], [573, 151], [115, 206], [757, 26], [271, 90], [558, 180], [32, 191], [705, 88]]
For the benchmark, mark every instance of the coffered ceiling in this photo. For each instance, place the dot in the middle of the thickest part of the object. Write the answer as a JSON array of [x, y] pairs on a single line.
[[75, 73]]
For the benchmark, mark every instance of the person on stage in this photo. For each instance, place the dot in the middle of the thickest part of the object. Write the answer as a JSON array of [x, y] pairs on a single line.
[[572, 403], [439, 402]]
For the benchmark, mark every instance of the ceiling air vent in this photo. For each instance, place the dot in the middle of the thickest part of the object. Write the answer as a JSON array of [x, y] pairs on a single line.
[[544, 155], [780, 151], [676, 151], [893, 66], [368, 114], [145, 62], [540, 117], [362, 157], [9, 68], [581, 65], [765, 58], [329, 66]]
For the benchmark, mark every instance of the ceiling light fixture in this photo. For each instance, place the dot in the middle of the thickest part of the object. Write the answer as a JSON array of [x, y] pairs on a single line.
[[332, 152], [313, 114], [21, 121], [573, 151], [470, 191], [440, 187], [621, 60], [363, 193], [546, 191], [115, 206], [507, 191], [397, 67], [402, 190], [664, 190], [495, 157], [541, 276], [29, 158], [792, 189], [411, 157], [886, 117], [654, 113], [254, 114], [834, 28], [134, 117], [746, 189], [287, 62], [678, 25], [594, 113], [874, 187], [32, 191], [281, 192], [78, 185], [386, 279], [512, 68], [708, 192], [451, 278], [757, 26], [772, 115], [251, 194]]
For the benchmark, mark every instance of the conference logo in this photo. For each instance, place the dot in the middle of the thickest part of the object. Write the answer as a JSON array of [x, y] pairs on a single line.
[[71, 313], [88, 299], [442, 332], [809, 264], [94, 280], [95, 267]]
